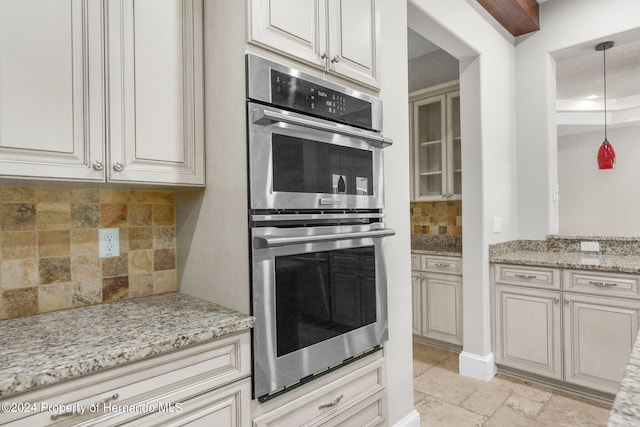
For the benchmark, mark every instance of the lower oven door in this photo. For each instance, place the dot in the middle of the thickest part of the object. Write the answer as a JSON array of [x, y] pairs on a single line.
[[319, 298]]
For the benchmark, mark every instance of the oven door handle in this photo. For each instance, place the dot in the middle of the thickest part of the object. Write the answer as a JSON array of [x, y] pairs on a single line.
[[261, 116], [274, 241]]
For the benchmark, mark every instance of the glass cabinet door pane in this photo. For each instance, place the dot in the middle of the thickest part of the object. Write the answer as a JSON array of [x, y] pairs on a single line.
[[457, 182], [430, 158], [431, 185], [430, 122], [455, 116], [457, 155]]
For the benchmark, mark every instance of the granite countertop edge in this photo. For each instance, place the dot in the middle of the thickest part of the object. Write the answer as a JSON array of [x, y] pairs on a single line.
[[52, 347], [444, 251], [570, 260]]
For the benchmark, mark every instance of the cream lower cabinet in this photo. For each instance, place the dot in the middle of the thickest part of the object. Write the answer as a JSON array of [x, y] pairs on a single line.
[[89, 101], [203, 385], [569, 325], [336, 36], [437, 298], [354, 395]]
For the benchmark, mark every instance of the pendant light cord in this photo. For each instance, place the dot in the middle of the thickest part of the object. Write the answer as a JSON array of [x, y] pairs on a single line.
[[604, 62]]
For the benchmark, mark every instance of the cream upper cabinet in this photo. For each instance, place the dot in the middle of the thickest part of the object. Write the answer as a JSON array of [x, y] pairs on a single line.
[[51, 104], [155, 89], [436, 143], [99, 91], [337, 36]]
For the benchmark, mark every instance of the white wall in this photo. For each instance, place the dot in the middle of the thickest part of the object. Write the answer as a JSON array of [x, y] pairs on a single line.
[[432, 69], [487, 89], [599, 202], [562, 24]]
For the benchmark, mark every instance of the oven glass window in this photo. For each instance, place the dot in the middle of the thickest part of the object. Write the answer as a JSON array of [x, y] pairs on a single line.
[[320, 295], [307, 166]]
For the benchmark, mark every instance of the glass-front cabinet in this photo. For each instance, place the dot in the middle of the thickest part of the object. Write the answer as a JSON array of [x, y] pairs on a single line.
[[436, 147]]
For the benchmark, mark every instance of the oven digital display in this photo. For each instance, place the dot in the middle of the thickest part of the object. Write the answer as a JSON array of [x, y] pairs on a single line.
[[303, 96], [320, 295]]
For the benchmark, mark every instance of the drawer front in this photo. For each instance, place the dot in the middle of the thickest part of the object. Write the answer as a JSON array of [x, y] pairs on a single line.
[[536, 277], [451, 265], [324, 404], [369, 413], [415, 262], [103, 393], [601, 283]]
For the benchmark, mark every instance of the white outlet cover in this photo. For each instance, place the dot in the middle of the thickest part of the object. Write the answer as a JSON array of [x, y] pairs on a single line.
[[108, 242], [590, 246]]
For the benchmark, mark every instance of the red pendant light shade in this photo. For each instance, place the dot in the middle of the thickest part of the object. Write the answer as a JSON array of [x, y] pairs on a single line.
[[606, 154]]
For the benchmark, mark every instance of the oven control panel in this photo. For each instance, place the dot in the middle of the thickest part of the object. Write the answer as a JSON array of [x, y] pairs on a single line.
[[300, 95]]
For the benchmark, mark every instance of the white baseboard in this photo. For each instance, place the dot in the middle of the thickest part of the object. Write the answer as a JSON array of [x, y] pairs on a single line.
[[476, 366], [411, 420]]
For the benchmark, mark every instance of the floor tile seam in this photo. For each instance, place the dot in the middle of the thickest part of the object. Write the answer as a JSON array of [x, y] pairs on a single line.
[[484, 415]]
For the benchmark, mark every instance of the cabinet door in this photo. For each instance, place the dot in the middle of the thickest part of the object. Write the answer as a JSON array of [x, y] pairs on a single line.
[[353, 40], [429, 148], [416, 324], [599, 334], [527, 330], [51, 105], [295, 28], [442, 308], [454, 144], [156, 125]]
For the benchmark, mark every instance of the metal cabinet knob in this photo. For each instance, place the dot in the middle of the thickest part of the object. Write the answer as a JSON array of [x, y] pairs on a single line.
[[324, 55], [335, 59], [118, 167], [98, 165]]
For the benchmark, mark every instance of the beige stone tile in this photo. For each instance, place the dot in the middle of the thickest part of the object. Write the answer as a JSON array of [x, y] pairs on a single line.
[[530, 391], [85, 215], [54, 243], [563, 411], [113, 215], [85, 268], [54, 216], [17, 194], [164, 237], [115, 266], [506, 416], [114, 196], [522, 405], [86, 292], [84, 195], [164, 214], [140, 238], [163, 197], [19, 302], [84, 242], [56, 296], [54, 270], [165, 281], [52, 195], [19, 273], [485, 400], [429, 354], [18, 245], [140, 285], [418, 396], [139, 215], [420, 367], [451, 363], [446, 385], [164, 259], [436, 412], [141, 262], [115, 288], [17, 216]]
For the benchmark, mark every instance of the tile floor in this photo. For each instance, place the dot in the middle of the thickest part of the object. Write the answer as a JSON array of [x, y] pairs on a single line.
[[445, 398]]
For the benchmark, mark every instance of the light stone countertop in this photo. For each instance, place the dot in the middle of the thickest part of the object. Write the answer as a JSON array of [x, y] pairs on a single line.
[[626, 406], [455, 251], [572, 260], [51, 347]]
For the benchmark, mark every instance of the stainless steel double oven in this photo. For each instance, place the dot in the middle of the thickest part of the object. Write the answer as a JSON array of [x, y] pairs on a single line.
[[319, 290]]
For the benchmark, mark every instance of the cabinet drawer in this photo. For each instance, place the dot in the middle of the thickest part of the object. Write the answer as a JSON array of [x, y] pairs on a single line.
[[344, 398], [416, 262], [537, 277], [601, 283], [452, 265], [200, 367]]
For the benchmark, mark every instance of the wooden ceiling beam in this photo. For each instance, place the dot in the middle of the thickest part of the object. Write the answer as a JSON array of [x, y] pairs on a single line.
[[517, 16]]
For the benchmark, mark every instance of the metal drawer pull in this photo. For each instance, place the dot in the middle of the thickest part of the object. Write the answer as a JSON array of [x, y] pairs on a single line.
[[99, 403], [440, 265], [332, 404], [525, 276], [603, 284]]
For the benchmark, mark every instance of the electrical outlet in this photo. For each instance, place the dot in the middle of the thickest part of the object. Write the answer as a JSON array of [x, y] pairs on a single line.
[[497, 224], [108, 242], [590, 246]]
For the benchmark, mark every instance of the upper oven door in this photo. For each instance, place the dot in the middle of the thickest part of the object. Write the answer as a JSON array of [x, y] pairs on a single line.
[[300, 162]]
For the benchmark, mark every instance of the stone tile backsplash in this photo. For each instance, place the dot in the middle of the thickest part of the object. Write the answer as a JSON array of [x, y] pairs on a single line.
[[49, 247], [443, 218]]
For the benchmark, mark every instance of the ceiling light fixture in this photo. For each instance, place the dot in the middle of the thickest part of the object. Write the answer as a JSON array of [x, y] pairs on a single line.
[[606, 155]]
